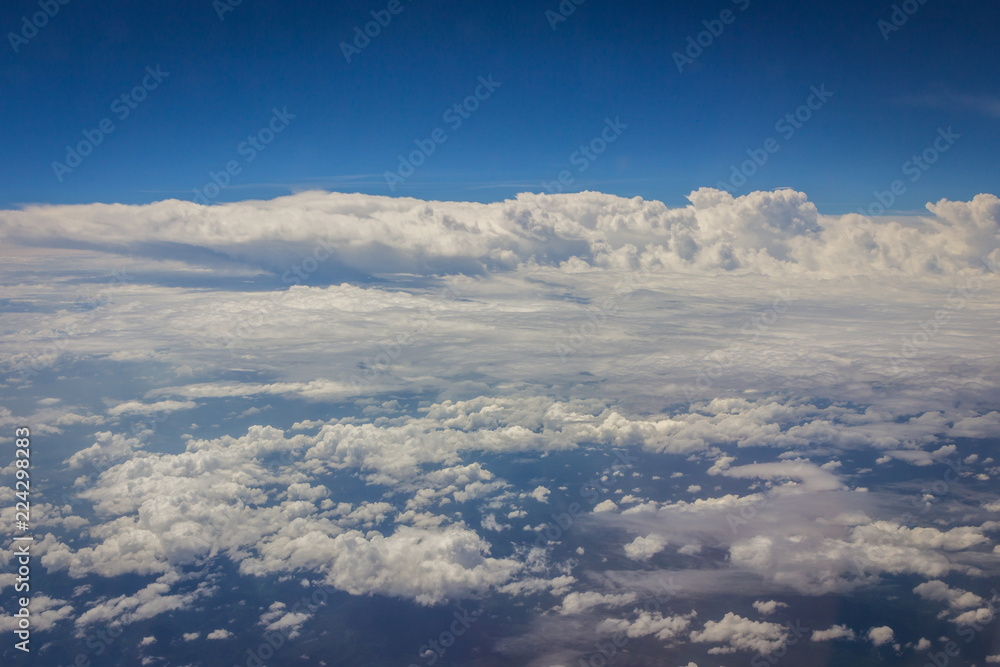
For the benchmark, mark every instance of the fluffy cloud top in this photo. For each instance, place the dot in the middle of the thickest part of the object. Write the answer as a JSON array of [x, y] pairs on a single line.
[[741, 634], [354, 233], [644, 548], [881, 635]]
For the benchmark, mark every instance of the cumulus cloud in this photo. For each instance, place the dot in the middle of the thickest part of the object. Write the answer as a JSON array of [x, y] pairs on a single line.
[[644, 548], [605, 506], [46, 613], [939, 591], [881, 635], [345, 233], [277, 618], [665, 628], [541, 494], [741, 634], [769, 607], [148, 602]]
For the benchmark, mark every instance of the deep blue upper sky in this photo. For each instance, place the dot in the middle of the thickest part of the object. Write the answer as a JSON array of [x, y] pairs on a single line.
[[608, 59]]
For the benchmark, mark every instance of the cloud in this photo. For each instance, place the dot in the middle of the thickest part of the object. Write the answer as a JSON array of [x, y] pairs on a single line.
[[576, 603], [644, 548], [665, 628], [741, 634], [352, 234], [541, 494], [747, 338], [146, 603], [769, 607], [834, 632], [881, 635], [955, 597], [138, 408], [276, 618], [46, 613], [219, 634]]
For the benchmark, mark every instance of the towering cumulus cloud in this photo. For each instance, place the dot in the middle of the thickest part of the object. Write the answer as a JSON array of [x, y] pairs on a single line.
[[776, 233]]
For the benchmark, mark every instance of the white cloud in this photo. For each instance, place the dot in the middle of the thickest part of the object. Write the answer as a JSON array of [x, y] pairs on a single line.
[[762, 231], [276, 618], [644, 548], [605, 506], [219, 634], [146, 603], [664, 628], [576, 603], [955, 597], [769, 607], [46, 613], [833, 632], [541, 494], [881, 635], [139, 408], [741, 634]]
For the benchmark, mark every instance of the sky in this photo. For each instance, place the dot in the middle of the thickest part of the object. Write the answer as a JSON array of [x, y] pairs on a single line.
[[632, 358], [228, 67]]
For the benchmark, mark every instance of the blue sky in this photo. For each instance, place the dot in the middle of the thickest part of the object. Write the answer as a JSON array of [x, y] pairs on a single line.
[[557, 87]]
